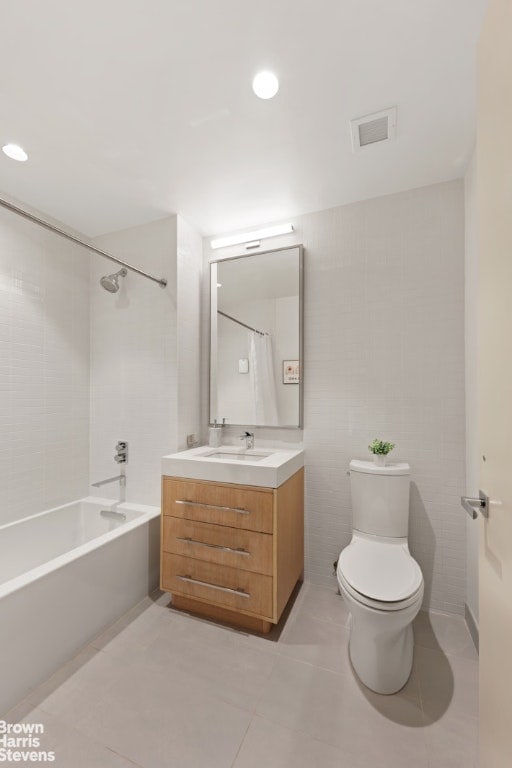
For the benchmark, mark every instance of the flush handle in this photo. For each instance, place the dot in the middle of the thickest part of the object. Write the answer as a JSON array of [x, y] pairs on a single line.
[[474, 506]]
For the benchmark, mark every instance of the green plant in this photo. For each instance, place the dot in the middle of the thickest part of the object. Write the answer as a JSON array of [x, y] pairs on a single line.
[[380, 447]]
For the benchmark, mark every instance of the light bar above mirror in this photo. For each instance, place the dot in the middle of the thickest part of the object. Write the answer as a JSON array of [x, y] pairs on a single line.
[[251, 237]]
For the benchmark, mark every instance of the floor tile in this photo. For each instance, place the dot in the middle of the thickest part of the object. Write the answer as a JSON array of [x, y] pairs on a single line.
[[163, 718], [322, 603], [215, 657], [84, 681], [452, 741], [323, 643], [163, 688], [135, 629], [274, 746], [70, 747], [66, 675], [210, 631], [447, 682], [441, 632], [412, 687], [332, 708]]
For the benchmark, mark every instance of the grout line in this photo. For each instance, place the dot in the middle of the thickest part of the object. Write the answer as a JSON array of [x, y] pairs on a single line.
[[242, 740], [448, 654], [342, 750], [260, 697], [120, 754]]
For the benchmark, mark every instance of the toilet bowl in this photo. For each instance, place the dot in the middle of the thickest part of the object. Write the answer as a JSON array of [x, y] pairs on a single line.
[[379, 579]]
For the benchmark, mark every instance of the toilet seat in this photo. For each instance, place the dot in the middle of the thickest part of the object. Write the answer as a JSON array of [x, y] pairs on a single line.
[[380, 573], [379, 605]]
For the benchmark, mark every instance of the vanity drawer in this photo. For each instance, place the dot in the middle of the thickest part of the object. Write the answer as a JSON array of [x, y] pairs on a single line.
[[234, 547], [217, 584], [232, 505]]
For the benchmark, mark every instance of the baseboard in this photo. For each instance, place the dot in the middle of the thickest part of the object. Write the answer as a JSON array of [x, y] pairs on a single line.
[[472, 626]]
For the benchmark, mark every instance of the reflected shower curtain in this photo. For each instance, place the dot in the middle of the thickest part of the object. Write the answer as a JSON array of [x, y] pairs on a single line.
[[261, 370]]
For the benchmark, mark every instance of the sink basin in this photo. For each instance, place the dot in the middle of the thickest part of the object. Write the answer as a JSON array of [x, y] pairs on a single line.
[[236, 455], [267, 468]]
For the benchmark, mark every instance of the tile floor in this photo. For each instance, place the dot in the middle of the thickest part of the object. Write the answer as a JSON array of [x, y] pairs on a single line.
[[161, 689]]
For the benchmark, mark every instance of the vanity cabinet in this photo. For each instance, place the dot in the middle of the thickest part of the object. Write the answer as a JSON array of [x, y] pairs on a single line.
[[232, 552]]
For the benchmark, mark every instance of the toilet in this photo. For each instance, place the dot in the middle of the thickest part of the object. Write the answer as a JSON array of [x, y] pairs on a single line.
[[379, 579]]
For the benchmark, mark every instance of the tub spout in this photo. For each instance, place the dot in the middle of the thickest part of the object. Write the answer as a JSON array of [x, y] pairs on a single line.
[[121, 478]]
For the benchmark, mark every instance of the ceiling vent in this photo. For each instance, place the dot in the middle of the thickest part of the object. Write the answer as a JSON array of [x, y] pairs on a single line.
[[373, 129]]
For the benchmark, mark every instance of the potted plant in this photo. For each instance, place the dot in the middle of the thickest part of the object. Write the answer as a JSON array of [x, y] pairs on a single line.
[[380, 450]]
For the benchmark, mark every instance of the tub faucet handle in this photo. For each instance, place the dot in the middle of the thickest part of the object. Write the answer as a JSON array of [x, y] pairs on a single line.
[[121, 456]]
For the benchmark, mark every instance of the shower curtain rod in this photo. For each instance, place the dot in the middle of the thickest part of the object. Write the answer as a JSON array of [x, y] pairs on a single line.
[[162, 282], [250, 328]]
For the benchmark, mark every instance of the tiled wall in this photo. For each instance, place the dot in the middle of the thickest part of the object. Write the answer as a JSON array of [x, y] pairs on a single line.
[[82, 368], [44, 369], [134, 389], [384, 357], [190, 255]]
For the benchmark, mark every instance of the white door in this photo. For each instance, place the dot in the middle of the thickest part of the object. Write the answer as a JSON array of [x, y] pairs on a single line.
[[494, 189]]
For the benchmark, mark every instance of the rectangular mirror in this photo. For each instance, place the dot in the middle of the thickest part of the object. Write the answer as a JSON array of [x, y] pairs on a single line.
[[256, 339]]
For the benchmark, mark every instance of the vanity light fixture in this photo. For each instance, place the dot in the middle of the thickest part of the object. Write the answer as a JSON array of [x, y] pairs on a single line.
[[251, 237], [265, 85], [15, 152]]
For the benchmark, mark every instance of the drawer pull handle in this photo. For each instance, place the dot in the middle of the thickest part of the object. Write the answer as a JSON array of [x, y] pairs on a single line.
[[237, 551], [240, 510], [240, 592]]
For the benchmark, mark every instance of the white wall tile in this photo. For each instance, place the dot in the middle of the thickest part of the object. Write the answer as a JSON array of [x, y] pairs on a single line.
[[44, 369], [384, 356], [189, 271], [134, 391], [384, 353]]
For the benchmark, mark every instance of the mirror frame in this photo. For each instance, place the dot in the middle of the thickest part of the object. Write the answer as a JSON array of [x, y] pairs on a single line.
[[213, 262]]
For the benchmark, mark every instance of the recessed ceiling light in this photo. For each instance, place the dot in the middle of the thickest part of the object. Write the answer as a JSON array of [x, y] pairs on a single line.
[[265, 85], [15, 152]]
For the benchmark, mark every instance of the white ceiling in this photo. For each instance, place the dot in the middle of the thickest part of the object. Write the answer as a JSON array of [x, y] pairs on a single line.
[[131, 110]]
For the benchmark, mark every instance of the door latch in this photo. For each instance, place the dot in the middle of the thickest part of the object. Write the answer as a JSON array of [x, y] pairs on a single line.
[[474, 506]]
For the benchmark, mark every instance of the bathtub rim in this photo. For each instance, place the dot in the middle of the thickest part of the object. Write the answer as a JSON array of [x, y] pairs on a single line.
[[146, 511]]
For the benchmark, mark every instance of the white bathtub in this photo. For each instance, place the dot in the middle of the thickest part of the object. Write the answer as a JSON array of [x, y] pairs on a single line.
[[64, 575]]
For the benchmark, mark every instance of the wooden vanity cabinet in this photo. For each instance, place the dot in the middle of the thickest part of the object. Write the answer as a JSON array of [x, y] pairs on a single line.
[[232, 552]]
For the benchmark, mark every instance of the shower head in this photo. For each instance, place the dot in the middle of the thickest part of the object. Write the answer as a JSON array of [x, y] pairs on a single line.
[[111, 282]]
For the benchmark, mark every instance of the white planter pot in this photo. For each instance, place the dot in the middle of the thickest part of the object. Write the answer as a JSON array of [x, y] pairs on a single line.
[[380, 459]]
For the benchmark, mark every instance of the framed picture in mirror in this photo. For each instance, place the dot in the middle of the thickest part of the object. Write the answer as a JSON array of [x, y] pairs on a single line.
[[291, 372]]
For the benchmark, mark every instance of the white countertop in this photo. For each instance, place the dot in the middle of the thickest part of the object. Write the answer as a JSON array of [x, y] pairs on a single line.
[[266, 467]]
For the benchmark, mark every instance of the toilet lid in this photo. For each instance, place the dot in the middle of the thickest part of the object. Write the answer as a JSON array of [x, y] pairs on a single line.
[[380, 570]]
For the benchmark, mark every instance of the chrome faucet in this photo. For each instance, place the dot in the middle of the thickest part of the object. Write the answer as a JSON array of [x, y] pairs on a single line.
[[121, 478], [121, 457], [249, 440], [122, 490]]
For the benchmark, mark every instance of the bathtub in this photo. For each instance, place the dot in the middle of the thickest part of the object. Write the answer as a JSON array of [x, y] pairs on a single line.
[[64, 575]]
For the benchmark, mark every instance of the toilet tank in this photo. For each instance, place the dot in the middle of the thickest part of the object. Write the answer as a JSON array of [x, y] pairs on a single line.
[[380, 498]]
